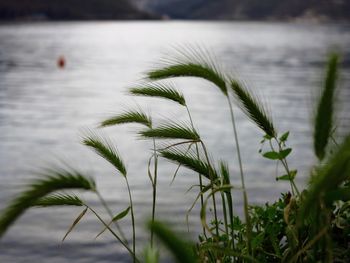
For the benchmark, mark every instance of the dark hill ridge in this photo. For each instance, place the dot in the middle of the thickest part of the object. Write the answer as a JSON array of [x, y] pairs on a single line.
[[70, 10], [251, 9]]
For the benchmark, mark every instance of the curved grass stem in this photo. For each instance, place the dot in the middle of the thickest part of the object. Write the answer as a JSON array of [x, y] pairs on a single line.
[[154, 186], [212, 183], [104, 204], [199, 175], [132, 221], [113, 233], [245, 196]]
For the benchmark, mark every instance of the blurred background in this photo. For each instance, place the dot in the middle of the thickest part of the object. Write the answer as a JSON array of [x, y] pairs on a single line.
[[66, 65]]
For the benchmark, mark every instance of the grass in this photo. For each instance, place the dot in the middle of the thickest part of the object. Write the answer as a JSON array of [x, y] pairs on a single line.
[[312, 225]]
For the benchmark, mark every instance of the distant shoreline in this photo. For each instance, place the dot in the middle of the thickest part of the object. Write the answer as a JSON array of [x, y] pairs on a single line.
[[291, 20]]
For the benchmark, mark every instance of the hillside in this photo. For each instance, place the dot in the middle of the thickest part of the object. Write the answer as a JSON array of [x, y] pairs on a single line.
[[251, 9], [70, 10]]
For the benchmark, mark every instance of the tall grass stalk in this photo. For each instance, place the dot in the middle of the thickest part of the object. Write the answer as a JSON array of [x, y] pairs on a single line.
[[105, 205], [197, 64], [154, 186], [107, 151], [166, 91], [244, 191], [139, 117], [200, 179], [212, 178]]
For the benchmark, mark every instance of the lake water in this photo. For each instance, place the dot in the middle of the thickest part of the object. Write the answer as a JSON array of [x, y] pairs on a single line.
[[45, 110]]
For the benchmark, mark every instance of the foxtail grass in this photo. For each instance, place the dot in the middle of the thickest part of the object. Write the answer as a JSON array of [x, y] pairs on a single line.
[[107, 151], [303, 226], [325, 109], [52, 181]]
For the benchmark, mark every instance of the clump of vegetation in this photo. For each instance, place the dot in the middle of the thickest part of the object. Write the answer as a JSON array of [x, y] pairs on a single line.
[[312, 225]]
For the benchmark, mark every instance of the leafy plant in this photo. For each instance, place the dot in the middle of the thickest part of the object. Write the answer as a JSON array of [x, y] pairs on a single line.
[[312, 225]]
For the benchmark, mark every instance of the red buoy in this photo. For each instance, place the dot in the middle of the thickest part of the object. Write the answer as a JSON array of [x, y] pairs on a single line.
[[61, 62]]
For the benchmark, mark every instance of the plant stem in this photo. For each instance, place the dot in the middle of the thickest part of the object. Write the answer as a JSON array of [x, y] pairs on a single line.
[[212, 183], [245, 197], [113, 233], [132, 220], [285, 165], [103, 202], [154, 186], [225, 213], [199, 175]]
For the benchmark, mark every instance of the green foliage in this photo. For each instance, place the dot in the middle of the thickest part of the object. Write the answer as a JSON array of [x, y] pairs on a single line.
[[328, 178], [160, 90], [325, 109]]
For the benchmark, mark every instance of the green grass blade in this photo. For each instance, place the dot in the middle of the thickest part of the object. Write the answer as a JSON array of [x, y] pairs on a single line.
[[190, 63], [171, 131], [253, 108], [160, 90], [106, 150], [189, 160], [59, 200], [224, 173], [325, 108], [76, 221], [328, 178], [151, 255], [130, 116], [183, 251], [54, 180]]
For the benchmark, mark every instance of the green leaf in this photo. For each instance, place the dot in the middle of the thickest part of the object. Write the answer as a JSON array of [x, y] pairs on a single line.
[[283, 178], [272, 155], [181, 249], [119, 216], [267, 137], [76, 221], [287, 177], [284, 153], [284, 137]]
